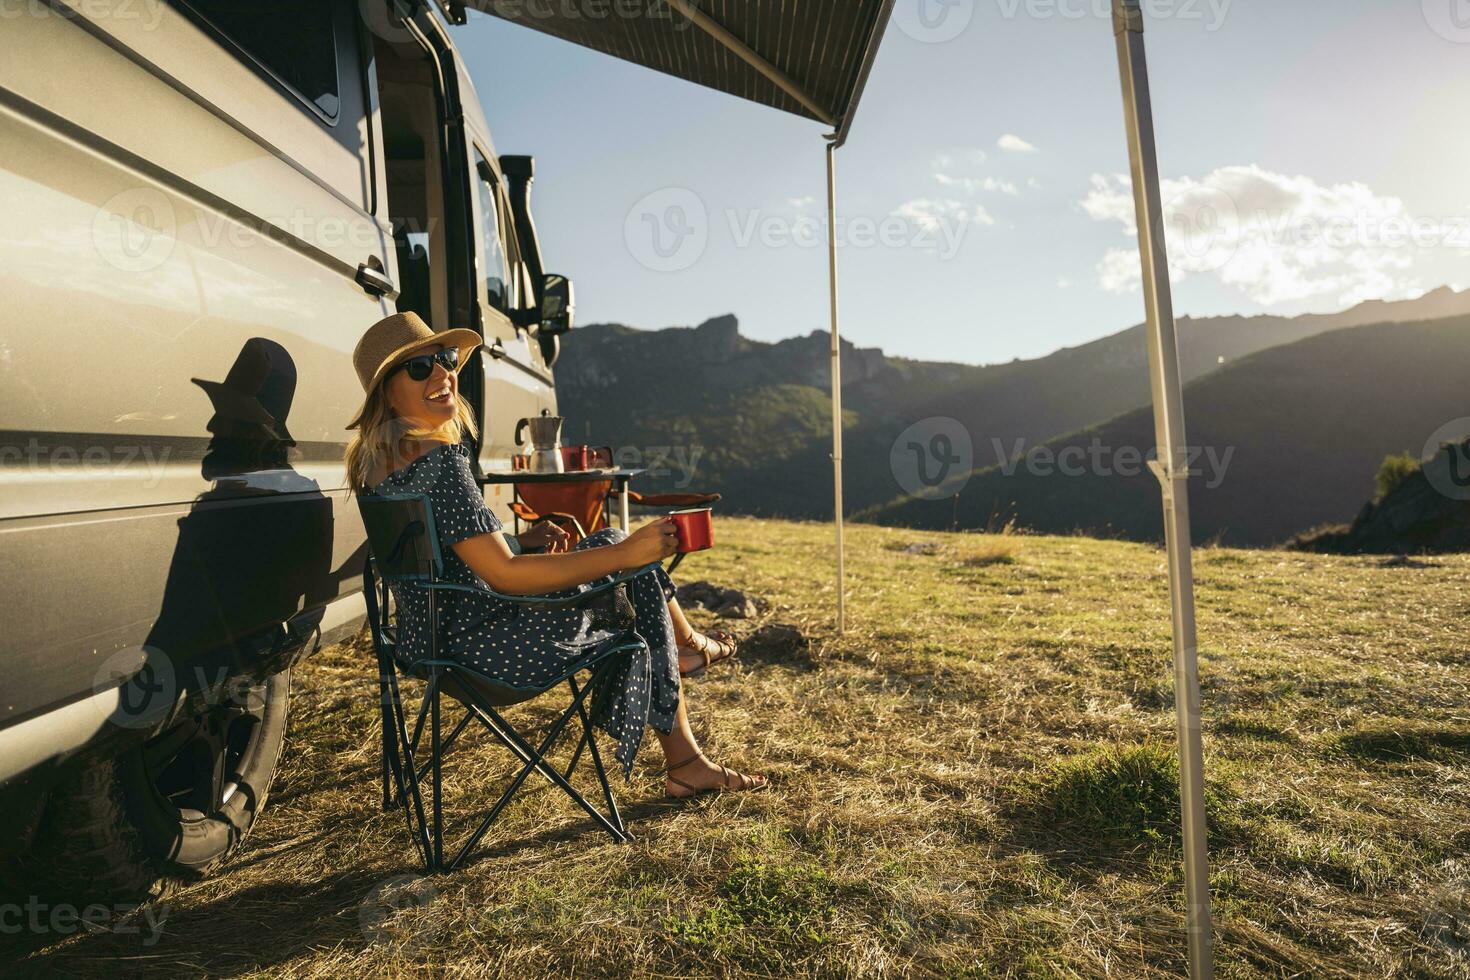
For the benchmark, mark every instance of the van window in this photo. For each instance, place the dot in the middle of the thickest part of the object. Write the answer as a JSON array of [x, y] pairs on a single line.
[[495, 264], [291, 39]]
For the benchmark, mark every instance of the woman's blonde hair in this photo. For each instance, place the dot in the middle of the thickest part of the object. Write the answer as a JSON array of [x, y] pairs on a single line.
[[378, 440]]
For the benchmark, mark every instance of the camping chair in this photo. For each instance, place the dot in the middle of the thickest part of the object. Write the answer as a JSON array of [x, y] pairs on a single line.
[[580, 509], [404, 549]]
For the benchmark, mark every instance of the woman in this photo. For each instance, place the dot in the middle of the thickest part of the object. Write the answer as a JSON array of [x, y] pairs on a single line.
[[408, 440]]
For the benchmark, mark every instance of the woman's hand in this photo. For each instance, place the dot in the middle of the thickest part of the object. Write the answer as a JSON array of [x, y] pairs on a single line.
[[652, 542], [545, 534]]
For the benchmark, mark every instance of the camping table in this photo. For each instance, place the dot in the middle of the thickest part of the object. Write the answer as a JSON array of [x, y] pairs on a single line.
[[618, 476]]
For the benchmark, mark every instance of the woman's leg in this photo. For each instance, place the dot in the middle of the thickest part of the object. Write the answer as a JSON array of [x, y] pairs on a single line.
[[687, 768], [697, 649]]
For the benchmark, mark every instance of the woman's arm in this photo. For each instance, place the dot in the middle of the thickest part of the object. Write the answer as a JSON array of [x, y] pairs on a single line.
[[489, 557]]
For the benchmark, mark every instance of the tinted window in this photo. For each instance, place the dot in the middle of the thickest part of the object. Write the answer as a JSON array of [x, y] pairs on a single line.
[[494, 263], [292, 40]]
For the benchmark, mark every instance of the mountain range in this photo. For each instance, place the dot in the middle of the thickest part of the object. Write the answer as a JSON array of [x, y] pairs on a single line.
[[751, 419]]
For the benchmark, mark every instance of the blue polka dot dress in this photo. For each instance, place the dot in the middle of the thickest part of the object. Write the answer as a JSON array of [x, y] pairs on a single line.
[[527, 647]]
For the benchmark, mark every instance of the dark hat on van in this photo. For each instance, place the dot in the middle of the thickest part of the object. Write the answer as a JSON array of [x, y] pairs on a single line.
[[396, 338], [259, 388]]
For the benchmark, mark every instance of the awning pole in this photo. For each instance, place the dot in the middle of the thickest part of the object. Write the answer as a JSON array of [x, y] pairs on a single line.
[[1171, 467], [836, 378]]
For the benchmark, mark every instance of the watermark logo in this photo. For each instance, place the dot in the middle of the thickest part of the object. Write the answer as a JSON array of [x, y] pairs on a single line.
[[135, 230], [402, 911], [62, 918], [387, 19], [936, 226], [1447, 459], [1211, 13], [667, 230], [932, 458], [660, 462], [1203, 228], [934, 21], [1098, 458], [146, 684], [1450, 19], [1447, 921], [147, 12]]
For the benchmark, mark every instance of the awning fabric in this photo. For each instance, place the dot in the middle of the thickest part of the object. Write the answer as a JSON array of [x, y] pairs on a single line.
[[823, 46]]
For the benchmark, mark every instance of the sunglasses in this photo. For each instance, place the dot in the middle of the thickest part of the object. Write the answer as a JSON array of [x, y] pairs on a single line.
[[419, 368]]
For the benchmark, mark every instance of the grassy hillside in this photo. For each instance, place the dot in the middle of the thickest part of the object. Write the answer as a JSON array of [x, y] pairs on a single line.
[[1306, 426], [756, 413], [976, 780]]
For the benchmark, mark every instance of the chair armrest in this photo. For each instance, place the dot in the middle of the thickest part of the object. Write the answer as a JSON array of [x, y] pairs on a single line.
[[547, 602]]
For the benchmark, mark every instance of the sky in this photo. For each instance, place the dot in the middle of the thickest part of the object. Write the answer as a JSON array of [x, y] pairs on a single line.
[[1312, 156]]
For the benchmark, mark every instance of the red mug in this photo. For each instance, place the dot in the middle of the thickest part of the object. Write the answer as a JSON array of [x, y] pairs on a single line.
[[696, 532], [574, 457]]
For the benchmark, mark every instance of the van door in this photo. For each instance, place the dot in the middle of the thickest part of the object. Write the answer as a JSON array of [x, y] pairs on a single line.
[[188, 205], [516, 382]]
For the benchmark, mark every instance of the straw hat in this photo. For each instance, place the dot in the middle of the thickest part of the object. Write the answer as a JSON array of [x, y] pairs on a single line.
[[396, 338]]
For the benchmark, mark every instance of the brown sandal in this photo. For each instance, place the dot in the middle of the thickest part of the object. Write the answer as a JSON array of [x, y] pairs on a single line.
[[747, 783], [724, 649]]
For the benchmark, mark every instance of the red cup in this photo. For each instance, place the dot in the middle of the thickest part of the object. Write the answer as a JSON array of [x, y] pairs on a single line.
[[574, 457], [696, 531]]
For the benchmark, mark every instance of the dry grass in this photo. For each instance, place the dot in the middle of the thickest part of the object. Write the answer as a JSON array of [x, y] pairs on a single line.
[[975, 780]]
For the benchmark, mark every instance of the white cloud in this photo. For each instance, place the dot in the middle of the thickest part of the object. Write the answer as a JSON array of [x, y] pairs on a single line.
[[1012, 143], [1277, 238], [801, 203], [932, 214], [959, 158], [973, 185]]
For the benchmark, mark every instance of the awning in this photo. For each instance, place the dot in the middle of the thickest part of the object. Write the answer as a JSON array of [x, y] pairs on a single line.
[[807, 57]]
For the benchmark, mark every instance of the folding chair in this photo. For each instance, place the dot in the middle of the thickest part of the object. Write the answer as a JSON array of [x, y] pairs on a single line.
[[404, 550]]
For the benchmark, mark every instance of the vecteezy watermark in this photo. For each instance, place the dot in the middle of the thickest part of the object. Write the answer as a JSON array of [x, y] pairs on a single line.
[[933, 458], [1450, 19], [595, 10], [926, 225], [63, 919], [401, 910], [149, 12], [933, 21], [1099, 459], [1211, 13], [667, 230], [147, 685], [137, 230], [1203, 228], [87, 462], [1446, 459], [1447, 919], [660, 461]]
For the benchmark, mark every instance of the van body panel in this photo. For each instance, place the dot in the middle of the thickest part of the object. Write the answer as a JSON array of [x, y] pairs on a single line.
[[176, 218], [155, 244]]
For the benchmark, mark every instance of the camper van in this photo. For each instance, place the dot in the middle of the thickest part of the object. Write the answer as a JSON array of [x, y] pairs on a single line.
[[205, 205]]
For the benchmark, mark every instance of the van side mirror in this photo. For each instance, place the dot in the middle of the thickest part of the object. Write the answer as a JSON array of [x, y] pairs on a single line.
[[556, 305]]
